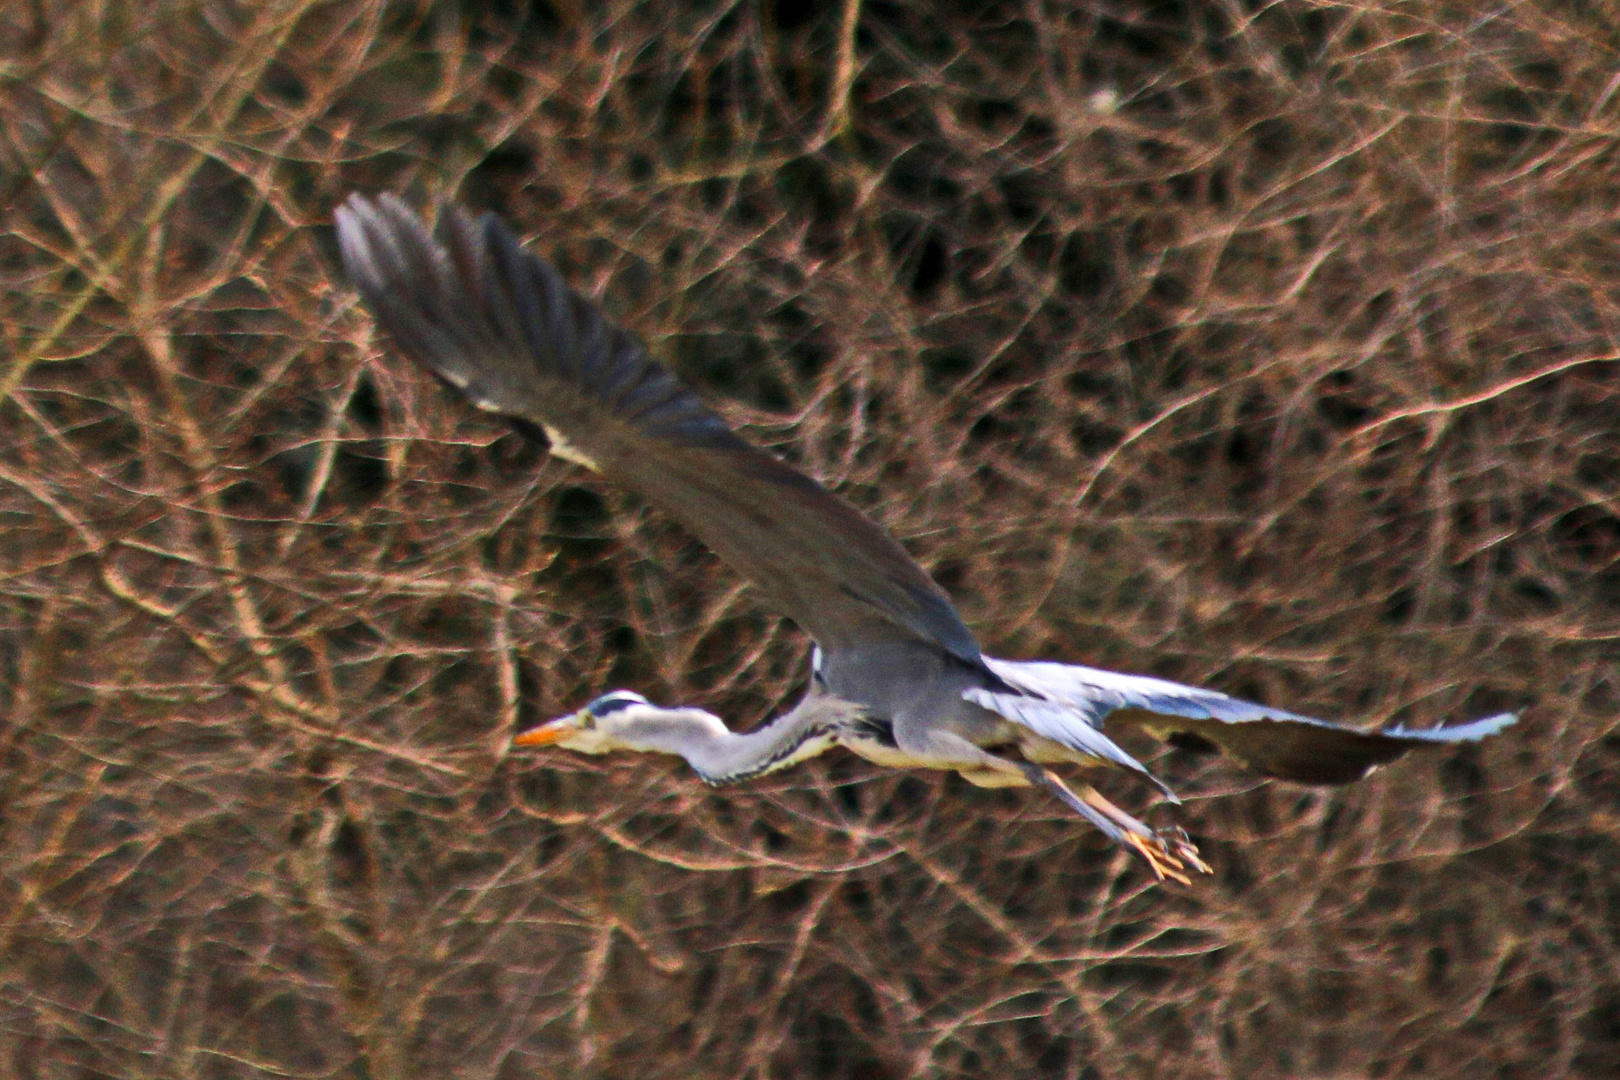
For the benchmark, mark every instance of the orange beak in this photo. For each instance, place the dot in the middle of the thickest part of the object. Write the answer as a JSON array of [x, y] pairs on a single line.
[[547, 734]]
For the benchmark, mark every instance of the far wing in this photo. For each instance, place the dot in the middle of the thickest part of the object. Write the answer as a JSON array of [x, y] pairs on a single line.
[[1269, 740], [500, 325]]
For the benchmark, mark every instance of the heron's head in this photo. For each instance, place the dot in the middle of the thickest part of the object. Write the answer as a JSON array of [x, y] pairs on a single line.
[[622, 720]]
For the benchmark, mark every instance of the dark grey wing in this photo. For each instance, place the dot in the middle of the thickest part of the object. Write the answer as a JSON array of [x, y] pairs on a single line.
[[500, 325], [1270, 741]]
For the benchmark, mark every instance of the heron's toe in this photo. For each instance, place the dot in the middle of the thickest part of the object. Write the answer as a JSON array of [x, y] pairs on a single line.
[[1168, 852]]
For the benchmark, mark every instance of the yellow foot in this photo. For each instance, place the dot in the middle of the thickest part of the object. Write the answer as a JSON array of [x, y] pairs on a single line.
[[1168, 852]]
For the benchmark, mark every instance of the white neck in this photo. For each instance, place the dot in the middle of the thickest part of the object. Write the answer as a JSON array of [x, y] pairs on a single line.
[[722, 756]]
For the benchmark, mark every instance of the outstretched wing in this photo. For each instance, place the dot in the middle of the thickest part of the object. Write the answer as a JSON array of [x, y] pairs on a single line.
[[1270, 741], [500, 325]]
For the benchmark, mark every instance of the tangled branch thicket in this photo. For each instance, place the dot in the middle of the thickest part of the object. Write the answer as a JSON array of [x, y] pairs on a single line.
[[1267, 346]]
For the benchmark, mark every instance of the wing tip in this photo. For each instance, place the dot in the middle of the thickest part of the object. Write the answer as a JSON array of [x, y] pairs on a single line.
[[1473, 731], [354, 245], [377, 239]]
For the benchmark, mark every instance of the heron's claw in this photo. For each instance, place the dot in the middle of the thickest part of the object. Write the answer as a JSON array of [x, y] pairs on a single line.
[[1168, 851]]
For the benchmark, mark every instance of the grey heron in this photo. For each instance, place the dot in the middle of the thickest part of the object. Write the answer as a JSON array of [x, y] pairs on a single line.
[[895, 675]]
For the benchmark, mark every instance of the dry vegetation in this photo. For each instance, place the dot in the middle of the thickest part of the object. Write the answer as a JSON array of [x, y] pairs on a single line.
[[1270, 346]]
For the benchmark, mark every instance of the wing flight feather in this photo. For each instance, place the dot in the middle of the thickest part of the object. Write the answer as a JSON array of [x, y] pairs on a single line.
[[499, 324]]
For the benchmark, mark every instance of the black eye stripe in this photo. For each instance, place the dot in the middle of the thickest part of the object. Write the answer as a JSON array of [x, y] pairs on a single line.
[[612, 703]]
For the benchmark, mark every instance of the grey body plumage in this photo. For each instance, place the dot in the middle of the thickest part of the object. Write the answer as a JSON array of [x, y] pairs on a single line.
[[896, 676]]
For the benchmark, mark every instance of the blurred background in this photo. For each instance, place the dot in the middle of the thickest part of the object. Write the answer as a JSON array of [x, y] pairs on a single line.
[[1267, 346]]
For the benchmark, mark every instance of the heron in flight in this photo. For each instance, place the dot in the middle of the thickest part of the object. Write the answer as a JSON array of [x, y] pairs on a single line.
[[895, 675]]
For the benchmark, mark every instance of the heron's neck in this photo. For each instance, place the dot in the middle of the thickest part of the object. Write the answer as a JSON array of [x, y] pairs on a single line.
[[722, 756]]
